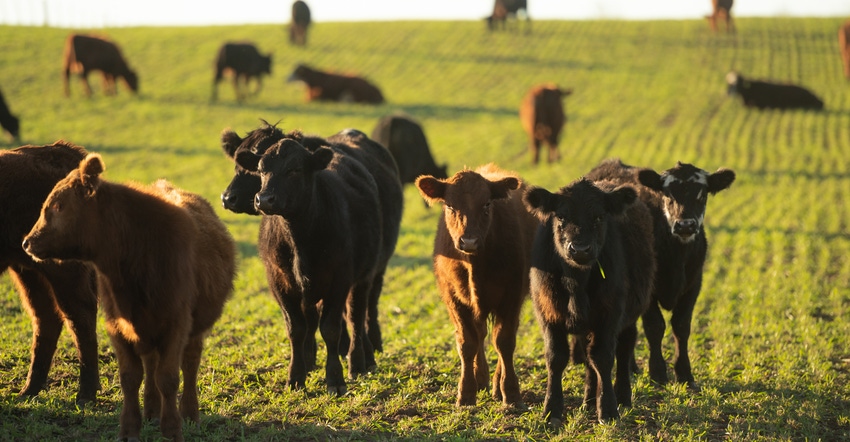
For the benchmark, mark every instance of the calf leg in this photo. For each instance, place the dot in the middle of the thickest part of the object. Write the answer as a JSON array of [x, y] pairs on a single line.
[[505, 382], [625, 353], [535, 150], [653, 326], [130, 373], [557, 352], [168, 383], [481, 367], [360, 358], [681, 325], [600, 353], [554, 155], [84, 78], [468, 346], [297, 329], [151, 398], [191, 364], [374, 328]]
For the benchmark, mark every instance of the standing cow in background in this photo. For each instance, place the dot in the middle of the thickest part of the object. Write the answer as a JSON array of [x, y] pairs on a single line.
[[299, 24], [84, 54], [543, 118], [844, 46], [244, 62], [9, 122], [768, 95], [503, 9], [721, 10], [406, 141]]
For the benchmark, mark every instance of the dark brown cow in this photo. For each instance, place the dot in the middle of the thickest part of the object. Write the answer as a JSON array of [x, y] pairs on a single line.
[[300, 22], [844, 46], [762, 94], [543, 118], [482, 252], [85, 53], [9, 122], [721, 10], [325, 86], [406, 141], [591, 274], [244, 62], [504, 9], [52, 292], [167, 264]]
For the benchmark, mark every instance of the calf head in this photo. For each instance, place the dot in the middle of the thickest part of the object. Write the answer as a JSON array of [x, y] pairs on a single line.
[[286, 174], [266, 64], [579, 215], [685, 191], [68, 217], [132, 81], [467, 199], [238, 197], [735, 83]]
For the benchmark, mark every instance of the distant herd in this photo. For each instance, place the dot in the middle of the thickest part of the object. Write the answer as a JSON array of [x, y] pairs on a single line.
[[618, 244]]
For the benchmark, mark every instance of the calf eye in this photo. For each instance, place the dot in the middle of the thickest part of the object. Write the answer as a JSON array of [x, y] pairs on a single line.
[[487, 206], [55, 207]]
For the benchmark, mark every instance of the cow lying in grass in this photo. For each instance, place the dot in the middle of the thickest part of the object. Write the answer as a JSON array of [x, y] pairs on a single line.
[[85, 54], [677, 200], [52, 292], [767, 95], [591, 274], [481, 258], [326, 86], [167, 264]]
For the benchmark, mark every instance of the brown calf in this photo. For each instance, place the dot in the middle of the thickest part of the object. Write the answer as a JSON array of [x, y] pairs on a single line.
[[167, 264], [543, 118], [325, 86], [481, 260], [84, 54], [721, 10], [844, 45], [51, 292], [300, 22]]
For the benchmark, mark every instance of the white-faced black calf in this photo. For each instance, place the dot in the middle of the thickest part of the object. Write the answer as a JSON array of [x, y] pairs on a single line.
[[677, 200], [591, 274]]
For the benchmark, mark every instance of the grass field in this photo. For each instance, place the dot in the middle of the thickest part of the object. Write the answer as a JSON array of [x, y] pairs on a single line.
[[771, 333]]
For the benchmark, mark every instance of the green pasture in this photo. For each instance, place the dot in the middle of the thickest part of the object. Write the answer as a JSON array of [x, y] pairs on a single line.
[[771, 332]]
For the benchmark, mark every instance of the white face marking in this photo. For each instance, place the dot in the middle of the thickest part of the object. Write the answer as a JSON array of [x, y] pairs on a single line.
[[699, 177], [699, 195], [731, 78], [669, 179]]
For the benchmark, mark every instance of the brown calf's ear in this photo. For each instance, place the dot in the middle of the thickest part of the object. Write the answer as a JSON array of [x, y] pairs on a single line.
[[230, 142], [617, 200], [500, 189], [90, 169], [651, 179], [432, 189], [720, 180], [539, 202]]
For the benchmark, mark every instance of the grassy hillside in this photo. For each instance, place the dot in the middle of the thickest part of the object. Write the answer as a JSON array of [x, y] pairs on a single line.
[[771, 333]]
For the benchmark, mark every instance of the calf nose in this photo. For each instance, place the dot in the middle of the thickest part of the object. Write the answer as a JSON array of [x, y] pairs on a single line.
[[468, 245], [263, 201], [26, 245], [579, 252], [227, 200], [685, 227]]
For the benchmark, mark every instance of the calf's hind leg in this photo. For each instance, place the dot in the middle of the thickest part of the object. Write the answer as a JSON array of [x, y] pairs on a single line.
[[191, 364], [505, 382]]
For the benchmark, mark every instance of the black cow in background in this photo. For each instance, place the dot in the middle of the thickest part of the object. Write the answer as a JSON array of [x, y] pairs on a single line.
[[9, 122], [244, 62], [677, 200], [406, 141], [504, 9], [767, 95], [299, 24]]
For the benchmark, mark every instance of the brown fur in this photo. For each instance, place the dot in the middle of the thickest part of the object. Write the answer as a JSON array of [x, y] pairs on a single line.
[[844, 45], [299, 24], [167, 263], [481, 260], [543, 118], [325, 86], [721, 10], [52, 293], [84, 54]]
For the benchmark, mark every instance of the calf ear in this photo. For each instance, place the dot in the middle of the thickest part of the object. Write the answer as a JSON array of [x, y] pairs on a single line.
[[500, 189], [539, 202], [617, 200], [432, 189], [651, 179], [247, 160], [720, 180], [230, 142], [565, 92], [321, 158], [90, 169]]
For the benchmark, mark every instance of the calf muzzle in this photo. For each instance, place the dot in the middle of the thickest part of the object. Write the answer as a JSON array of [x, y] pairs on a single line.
[[685, 228], [580, 253]]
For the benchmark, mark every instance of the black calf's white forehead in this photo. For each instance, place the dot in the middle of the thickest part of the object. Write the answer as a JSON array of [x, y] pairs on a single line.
[[686, 183]]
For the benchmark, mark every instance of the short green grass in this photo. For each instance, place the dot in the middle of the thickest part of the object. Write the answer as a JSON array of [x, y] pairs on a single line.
[[771, 333]]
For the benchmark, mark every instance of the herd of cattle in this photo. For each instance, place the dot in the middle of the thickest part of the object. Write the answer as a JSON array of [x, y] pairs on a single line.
[[618, 244]]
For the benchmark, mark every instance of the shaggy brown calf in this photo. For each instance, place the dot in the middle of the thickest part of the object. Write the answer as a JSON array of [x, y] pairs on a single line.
[[481, 260], [334, 87], [721, 10], [84, 54], [591, 275], [52, 292], [844, 45], [244, 62], [167, 264], [542, 116], [300, 22]]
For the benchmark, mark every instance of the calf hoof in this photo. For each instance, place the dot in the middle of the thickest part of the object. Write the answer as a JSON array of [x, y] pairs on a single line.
[[337, 390], [295, 385], [465, 401], [554, 423], [693, 387]]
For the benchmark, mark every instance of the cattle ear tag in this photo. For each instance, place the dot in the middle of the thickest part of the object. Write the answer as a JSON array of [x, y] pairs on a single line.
[[601, 272]]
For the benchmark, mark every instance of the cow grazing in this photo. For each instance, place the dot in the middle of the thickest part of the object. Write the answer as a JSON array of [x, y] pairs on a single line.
[[767, 95], [52, 292], [300, 22], [677, 200], [591, 274], [504, 9], [167, 264], [243, 61], [85, 53], [9, 122], [406, 141], [721, 10], [325, 86], [844, 46], [481, 257], [543, 118]]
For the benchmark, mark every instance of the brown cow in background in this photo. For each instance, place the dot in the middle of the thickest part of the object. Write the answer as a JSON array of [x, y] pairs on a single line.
[[84, 54], [335, 87], [721, 10], [542, 116], [167, 265], [503, 9], [844, 44], [300, 22]]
